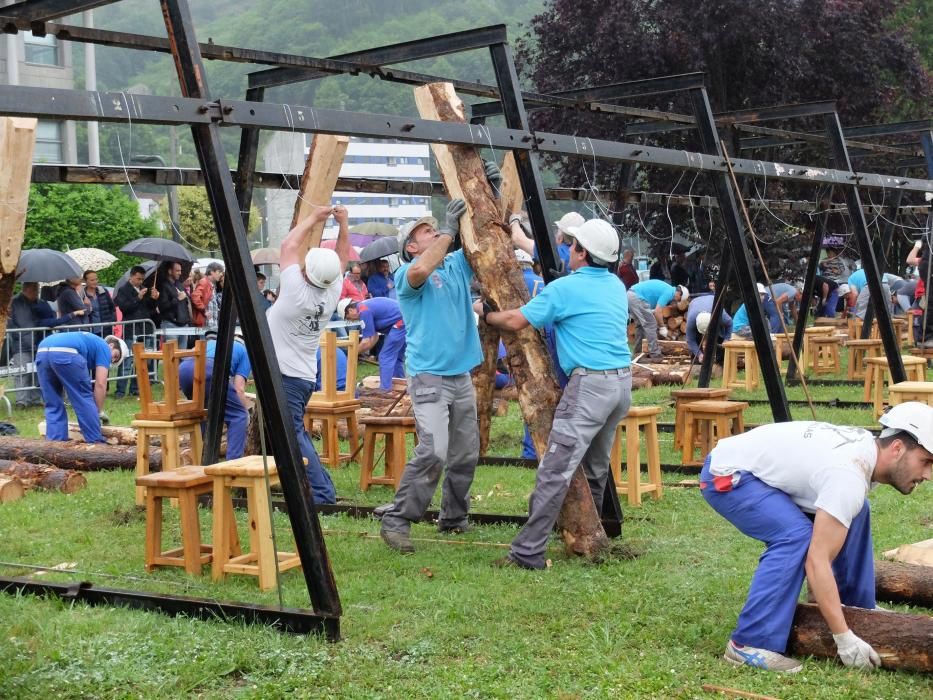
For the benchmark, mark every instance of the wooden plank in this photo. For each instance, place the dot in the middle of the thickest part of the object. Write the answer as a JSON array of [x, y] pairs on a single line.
[[318, 181], [17, 143]]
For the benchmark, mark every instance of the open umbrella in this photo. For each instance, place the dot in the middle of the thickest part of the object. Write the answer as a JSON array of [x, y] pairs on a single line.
[[157, 249], [92, 258], [265, 256], [375, 228], [202, 263], [46, 265], [379, 248], [332, 243], [148, 265]]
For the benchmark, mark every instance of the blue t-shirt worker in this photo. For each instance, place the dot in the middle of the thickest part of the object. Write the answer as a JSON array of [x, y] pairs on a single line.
[[589, 310], [380, 316]]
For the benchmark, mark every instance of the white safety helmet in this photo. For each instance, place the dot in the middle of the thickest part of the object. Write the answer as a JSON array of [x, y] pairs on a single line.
[[911, 417], [842, 289], [124, 350], [405, 232], [342, 306], [703, 321], [322, 266], [684, 293], [598, 238], [568, 221], [523, 257]]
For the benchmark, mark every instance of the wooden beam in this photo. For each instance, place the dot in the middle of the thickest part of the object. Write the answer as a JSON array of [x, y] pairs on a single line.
[[488, 248], [318, 181], [17, 143]]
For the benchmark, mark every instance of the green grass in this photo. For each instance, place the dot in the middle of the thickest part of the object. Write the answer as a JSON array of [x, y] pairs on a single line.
[[439, 624]]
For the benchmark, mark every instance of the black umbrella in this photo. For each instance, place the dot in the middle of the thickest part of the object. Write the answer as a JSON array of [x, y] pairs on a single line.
[[148, 265], [157, 249], [379, 248], [46, 265]]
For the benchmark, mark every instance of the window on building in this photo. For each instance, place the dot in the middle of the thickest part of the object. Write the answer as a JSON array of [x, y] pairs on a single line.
[[49, 142], [42, 50]]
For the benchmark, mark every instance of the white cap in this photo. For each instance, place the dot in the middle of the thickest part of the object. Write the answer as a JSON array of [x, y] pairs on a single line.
[[342, 306], [322, 266], [761, 289], [684, 293], [523, 257], [703, 321], [124, 350], [842, 289], [598, 238], [405, 232], [568, 221], [910, 417]]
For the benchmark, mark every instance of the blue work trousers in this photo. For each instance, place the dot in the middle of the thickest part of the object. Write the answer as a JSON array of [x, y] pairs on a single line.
[[770, 516], [392, 357], [236, 417], [297, 393], [67, 372], [829, 308]]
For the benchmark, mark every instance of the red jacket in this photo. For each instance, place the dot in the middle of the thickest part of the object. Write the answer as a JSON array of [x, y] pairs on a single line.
[[200, 298]]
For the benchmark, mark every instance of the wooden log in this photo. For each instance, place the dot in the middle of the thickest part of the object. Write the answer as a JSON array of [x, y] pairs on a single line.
[[487, 246], [39, 476], [81, 456], [511, 198], [484, 382], [902, 641], [17, 142], [920, 553], [672, 323], [114, 435], [11, 489], [642, 383], [904, 583], [318, 181]]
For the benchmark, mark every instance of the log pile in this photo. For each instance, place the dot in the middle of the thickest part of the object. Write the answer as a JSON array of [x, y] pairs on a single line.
[[38, 476], [675, 320]]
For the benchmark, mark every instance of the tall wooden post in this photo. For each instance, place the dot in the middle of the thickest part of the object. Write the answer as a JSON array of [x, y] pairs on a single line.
[[322, 168]]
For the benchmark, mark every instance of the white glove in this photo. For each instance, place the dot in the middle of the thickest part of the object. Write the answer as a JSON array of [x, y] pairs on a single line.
[[856, 652], [662, 331], [104, 418]]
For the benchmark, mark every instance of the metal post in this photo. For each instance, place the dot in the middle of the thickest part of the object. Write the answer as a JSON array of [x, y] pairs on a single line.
[[515, 118], [770, 371], [309, 539], [869, 263]]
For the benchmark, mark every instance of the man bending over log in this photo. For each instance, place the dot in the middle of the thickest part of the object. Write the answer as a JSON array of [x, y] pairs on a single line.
[[589, 310], [64, 363], [800, 488]]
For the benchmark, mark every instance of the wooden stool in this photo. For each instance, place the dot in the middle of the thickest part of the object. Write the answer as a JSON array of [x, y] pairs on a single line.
[[877, 371], [734, 349], [185, 484], [859, 351], [901, 330], [638, 417], [911, 391], [836, 323], [331, 405], [169, 433], [173, 405], [812, 332], [684, 396], [394, 430], [824, 354], [260, 561], [709, 422]]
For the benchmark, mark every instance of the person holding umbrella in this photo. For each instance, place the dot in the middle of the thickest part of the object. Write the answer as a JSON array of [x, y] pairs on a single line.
[[137, 305]]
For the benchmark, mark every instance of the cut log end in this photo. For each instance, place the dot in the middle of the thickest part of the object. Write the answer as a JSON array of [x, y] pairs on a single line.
[[11, 489]]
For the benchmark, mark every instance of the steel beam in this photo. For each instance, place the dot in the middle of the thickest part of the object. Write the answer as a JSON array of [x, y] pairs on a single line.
[[42, 10], [293, 620], [309, 540], [803, 137]]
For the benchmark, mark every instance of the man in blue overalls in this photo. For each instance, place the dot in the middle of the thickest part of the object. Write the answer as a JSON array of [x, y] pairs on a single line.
[[589, 310], [236, 408], [800, 487], [64, 362], [380, 315]]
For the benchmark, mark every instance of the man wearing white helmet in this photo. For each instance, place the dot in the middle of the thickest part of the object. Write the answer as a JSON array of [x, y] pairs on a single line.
[[589, 311], [433, 289], [522, 241], [646, 300], [307, 299], [741, 327], [801, 487], [698, 316]]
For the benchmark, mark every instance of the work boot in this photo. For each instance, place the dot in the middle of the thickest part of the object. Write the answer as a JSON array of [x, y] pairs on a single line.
[[399, 541], [507, 562], [454, 529], [760, 658]]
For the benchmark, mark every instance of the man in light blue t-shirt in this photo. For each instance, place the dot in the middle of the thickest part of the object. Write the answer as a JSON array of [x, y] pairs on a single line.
[[589, 310], [433, 288], [645, 302]]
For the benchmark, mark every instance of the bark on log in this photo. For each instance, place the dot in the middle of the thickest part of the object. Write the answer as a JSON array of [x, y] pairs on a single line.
[[11, 489], [114, 435], [322, 168], [904, 583], [484, 382], [487, 246], [902, 641], [81, 456], [38, 476]]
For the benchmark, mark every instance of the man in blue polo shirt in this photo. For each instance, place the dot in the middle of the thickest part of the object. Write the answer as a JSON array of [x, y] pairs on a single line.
[[589, 310], [64, 363], [698, 316], [645, 301], [236, 408], [740, 324], [433, 290], [380, 315]]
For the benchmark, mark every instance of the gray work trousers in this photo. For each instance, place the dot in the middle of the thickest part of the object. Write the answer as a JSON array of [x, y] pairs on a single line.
[[646, 325], [448, 434], [863, 299], [583, 430]]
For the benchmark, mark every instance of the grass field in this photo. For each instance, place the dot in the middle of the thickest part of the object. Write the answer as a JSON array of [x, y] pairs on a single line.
[[440, 624]]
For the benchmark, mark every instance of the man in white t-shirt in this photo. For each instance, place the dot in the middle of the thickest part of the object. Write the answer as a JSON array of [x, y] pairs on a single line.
[[307, 299], [801, 488]]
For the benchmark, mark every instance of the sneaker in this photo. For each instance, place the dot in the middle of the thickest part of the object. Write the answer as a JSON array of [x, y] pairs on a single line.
[[760, 658], [399, 541], [454, 529]]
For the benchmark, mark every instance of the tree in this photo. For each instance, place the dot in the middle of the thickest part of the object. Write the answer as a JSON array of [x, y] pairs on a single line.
[[196, 223], [63, 216]]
